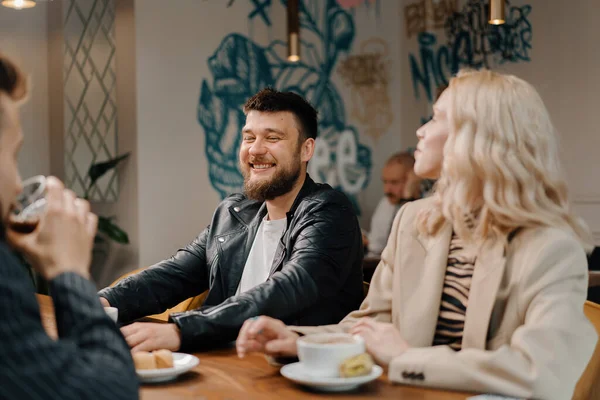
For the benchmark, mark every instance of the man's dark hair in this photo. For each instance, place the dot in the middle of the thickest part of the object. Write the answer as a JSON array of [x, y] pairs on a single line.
[[271, 100], [403, 158], [13, 82]]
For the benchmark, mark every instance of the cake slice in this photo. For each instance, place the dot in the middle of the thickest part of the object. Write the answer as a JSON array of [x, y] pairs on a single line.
[[359, 365], [164, 358], [144, 360]]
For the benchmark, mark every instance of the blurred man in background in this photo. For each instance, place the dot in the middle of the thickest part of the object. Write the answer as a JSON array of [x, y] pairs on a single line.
[[400, 184]]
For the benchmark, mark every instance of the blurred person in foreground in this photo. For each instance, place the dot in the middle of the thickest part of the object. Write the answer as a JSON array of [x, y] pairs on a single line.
[[90, 359], [481, 286]]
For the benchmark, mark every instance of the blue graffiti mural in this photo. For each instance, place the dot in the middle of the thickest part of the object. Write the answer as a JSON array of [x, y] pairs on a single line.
[[472, 42], [261, 8], [241, 67]]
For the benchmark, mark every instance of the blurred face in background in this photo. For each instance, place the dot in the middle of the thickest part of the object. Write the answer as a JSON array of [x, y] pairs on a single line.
[[394, 176]]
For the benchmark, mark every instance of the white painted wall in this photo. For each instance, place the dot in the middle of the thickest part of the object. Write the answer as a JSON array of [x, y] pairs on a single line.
[[24, 38], [175, 198], [565, 71]]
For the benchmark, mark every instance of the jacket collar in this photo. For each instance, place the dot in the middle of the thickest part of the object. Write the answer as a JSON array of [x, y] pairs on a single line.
[[246, 210], [307, 188], [487, 277], [432, 283]]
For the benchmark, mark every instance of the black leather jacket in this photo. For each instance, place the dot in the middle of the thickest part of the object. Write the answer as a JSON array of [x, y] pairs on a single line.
[[315, 279]]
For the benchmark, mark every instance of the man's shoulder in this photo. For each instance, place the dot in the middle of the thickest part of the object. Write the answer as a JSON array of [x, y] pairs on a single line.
[[6, 254], [323, 193], [235, 199], [11, 269]]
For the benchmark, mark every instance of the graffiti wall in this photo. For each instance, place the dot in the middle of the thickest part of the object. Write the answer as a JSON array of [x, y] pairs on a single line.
[[241, 65], [450, 35], [346, 71]]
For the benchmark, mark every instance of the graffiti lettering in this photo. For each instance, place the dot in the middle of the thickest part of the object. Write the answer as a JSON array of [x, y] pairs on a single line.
[[479, 44], [472, 42], [428, 14], [432, 67], [260, 9], [341, 173]]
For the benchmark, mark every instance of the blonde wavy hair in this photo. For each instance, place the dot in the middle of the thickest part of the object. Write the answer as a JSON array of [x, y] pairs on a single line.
[[501, 169]]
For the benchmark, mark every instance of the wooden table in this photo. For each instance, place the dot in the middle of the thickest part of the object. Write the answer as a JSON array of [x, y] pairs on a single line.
[[222, 375]]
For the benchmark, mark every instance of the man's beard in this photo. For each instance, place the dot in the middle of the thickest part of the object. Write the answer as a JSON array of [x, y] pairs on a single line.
[[392, 199], [280, 183]]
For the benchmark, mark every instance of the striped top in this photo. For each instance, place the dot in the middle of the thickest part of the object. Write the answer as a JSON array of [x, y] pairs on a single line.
[[455, 295]]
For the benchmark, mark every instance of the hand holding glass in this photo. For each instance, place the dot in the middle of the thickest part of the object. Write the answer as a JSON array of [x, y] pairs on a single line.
[[29, 206]]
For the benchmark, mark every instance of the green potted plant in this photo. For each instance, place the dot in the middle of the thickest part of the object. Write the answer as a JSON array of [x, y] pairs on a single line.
[[106, 226]]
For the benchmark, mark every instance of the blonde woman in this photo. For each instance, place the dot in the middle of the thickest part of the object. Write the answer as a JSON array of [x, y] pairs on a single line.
[[481, 286]]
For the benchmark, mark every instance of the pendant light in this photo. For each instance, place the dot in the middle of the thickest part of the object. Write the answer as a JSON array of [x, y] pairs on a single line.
[[293, 25], [18, 4], [496, 12]]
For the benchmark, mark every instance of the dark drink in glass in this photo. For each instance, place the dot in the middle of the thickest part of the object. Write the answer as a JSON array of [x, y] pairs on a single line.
[[24, 227], [30, 205]]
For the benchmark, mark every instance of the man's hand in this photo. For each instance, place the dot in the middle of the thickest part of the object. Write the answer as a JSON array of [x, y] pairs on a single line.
[[383, 340], [145, 336], [63, 239], [266, 335]]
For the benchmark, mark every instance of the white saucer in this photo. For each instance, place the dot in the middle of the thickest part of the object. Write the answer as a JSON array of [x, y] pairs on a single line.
[[297, 373], [182, 362]]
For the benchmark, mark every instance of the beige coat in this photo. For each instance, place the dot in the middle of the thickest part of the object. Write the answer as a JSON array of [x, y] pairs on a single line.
[[525, 333]]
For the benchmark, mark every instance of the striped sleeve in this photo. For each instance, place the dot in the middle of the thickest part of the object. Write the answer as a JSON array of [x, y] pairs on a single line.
[[89, 360]]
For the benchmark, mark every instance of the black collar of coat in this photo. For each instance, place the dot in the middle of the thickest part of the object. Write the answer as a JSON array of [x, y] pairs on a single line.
[[247, 209]]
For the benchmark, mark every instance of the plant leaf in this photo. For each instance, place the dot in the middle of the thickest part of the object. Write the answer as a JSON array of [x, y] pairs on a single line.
[[110, 229], [98, 170]]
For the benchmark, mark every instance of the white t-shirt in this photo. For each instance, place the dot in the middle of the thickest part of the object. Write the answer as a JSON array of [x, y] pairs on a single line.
[[260, 259], [381, 225]]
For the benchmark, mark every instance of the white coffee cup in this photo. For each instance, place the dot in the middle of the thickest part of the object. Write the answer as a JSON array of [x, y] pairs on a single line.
[[322, 354], [112, 312]]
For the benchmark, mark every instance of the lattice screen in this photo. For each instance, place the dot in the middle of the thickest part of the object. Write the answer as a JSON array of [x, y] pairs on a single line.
[[90, 94]]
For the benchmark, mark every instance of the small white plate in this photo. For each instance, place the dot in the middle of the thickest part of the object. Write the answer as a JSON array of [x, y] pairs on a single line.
[[297, 373], [182, 362]]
